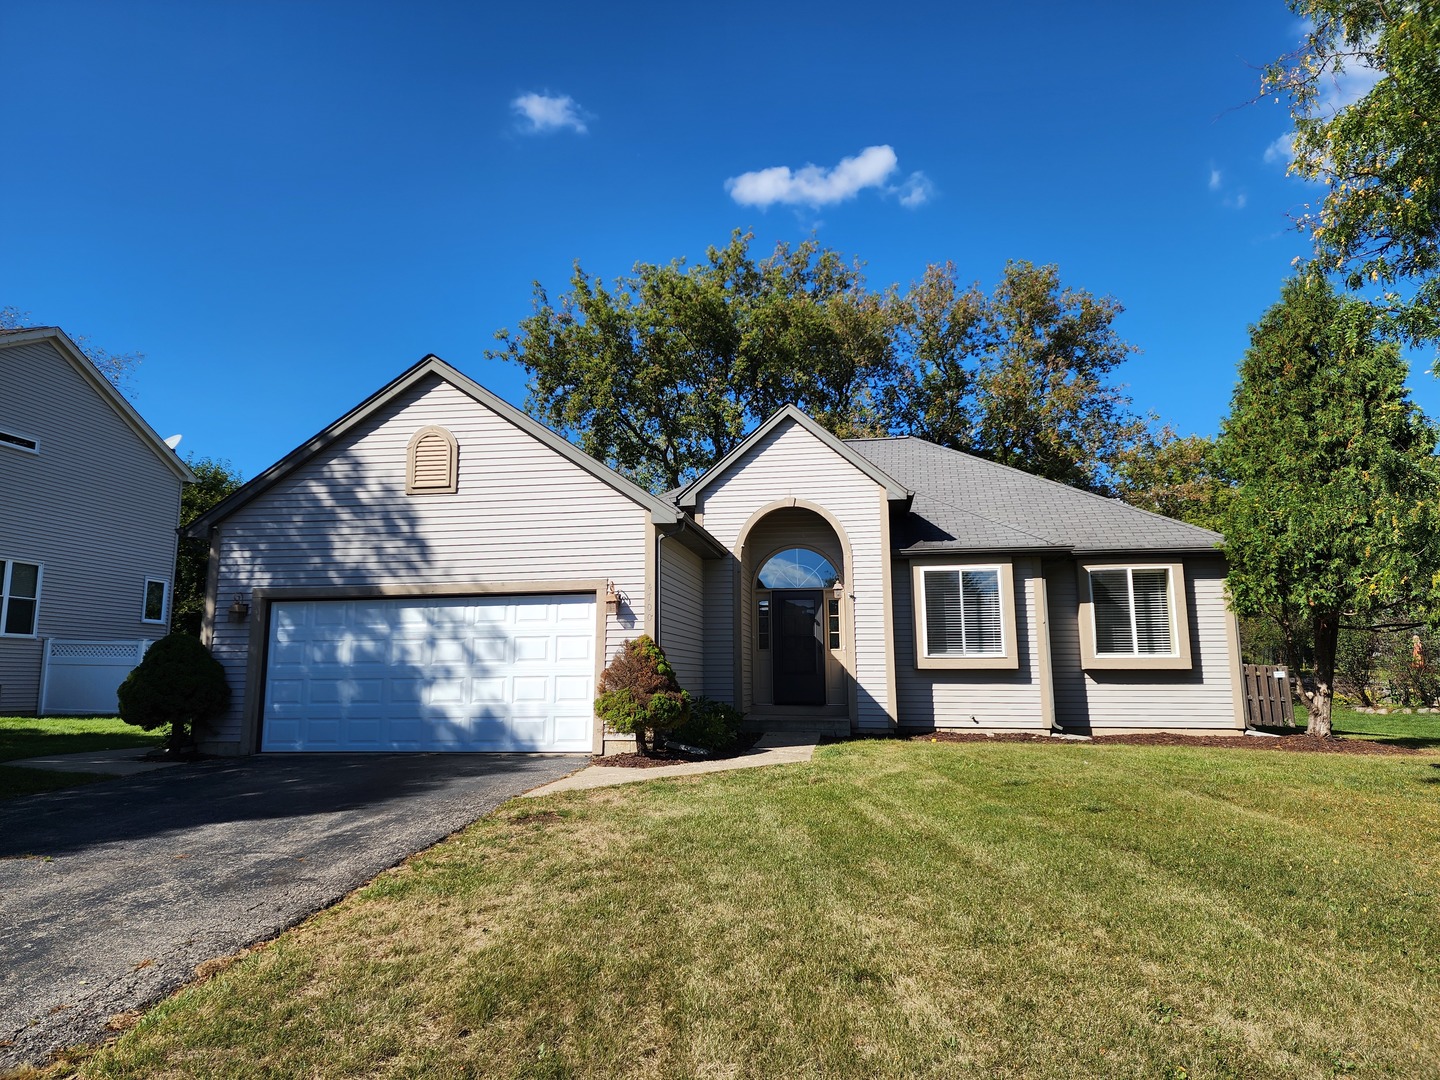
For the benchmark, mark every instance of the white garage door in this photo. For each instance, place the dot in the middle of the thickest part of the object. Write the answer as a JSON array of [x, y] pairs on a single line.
[[460, 673]]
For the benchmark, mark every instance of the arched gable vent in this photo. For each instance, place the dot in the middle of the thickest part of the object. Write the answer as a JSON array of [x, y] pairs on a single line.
[[431, 466]]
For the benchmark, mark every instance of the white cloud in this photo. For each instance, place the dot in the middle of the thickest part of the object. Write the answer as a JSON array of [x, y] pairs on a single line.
[[916, 191], [544, 112], [1281, 151], [1215, 179], [1336, 91], [814, 186]]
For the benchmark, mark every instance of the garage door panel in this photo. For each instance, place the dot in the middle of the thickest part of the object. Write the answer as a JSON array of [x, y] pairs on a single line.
[[532, 648], [574, 646], [477, 674]]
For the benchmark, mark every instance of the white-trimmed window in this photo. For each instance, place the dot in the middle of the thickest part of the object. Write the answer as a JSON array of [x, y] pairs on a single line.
[[155, 605], [19, 597], [964, 615], [15, 441], [431, 465], [1134, 615]]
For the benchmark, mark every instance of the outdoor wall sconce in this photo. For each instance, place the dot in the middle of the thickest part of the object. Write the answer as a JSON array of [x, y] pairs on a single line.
[[239, 610], [612, 599]]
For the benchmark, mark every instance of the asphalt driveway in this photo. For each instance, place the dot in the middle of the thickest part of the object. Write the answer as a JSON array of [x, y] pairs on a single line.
[[111, 894]]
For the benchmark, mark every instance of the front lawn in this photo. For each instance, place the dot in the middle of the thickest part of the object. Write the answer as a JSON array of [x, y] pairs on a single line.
[[892, 909], [1420, 730], [27, 737]]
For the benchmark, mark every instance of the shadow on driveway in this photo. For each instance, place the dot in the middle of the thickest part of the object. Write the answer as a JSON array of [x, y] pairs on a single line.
[[110, 895]]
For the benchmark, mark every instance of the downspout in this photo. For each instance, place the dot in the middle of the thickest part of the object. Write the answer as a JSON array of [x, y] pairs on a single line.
[[659, 538]]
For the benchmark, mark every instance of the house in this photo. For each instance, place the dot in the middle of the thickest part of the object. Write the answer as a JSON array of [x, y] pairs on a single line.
[[436, 571], [91, 504]]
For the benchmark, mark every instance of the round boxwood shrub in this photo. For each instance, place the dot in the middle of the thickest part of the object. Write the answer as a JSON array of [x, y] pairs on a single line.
[[639, 694], [177, 683]]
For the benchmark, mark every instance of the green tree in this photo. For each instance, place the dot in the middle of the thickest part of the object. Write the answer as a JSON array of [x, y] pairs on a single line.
[[661, 374], [664, 372], [1378, 156], [1333, 520], [1020, 376], [1179, 478], [214, 480]]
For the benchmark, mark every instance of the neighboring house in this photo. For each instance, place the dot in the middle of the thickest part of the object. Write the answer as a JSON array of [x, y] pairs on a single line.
[[437, 571], [91, 504]]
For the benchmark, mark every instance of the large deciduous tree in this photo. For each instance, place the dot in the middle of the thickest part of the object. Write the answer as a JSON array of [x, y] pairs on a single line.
[[1333, 518], [662, 373], [1020, 377], [1178, 477], [1379, 155]]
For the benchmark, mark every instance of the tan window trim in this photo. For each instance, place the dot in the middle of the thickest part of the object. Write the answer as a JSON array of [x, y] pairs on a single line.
[[1009, 657], [450, 480], [1179, 660]]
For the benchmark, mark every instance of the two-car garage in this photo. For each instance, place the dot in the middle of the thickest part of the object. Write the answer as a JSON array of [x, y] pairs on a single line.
[[466, 673]]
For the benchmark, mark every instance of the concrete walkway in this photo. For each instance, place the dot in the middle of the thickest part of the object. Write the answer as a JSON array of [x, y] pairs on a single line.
[[775, 749], [125, 762]]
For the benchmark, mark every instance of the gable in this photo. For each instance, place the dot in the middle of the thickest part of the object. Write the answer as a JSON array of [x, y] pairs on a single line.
[[787, 460], [506, 484], [433, 368], [51, 393], [690, 495]]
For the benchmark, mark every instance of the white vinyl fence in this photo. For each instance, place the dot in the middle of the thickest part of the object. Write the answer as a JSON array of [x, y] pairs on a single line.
[[80, 677]]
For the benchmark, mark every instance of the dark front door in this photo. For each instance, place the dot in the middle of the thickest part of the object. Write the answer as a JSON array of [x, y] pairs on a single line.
[[799, 656]]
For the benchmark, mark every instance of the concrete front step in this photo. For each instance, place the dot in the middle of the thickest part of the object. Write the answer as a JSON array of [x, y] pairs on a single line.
[[835, 728]]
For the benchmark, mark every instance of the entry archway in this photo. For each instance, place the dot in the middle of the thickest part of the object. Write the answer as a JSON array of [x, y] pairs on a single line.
[[795, 614]]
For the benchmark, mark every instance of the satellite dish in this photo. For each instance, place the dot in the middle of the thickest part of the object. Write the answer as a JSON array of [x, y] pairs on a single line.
[[173, 441]]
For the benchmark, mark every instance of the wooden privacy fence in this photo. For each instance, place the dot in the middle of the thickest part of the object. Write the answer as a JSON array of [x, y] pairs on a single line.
[[1267, 696]]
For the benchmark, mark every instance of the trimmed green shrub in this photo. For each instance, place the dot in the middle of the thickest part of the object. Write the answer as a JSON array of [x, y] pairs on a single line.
[[178, 683], [713, 725], [639, 694]]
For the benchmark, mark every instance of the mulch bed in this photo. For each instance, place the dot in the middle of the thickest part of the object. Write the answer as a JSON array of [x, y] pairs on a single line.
[[677, 757], [1297, 743]]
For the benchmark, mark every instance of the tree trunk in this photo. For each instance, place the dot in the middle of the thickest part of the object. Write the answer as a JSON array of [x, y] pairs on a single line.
[[1327, 638], [640, 745]]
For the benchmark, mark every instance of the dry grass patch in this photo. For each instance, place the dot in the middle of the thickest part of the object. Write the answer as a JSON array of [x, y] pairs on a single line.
[[894, 909]]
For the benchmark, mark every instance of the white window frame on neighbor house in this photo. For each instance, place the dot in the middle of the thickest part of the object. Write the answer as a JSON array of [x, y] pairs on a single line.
[[21, 443], [1177, 659], [164, 600], [7, 571], [1008, 656]]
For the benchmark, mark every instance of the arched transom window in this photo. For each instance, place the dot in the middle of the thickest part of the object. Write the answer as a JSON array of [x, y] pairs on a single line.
[[430, 467], [798, 568]]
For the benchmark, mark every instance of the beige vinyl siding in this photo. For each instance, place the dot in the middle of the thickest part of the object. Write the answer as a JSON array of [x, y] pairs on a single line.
[[719, 625], [96, 507], [522, 513], [1137, 699], [789, 462], [968, 699], [682, 612]]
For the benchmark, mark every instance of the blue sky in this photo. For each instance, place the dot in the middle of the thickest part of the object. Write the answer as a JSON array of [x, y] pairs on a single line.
[[284, 205]]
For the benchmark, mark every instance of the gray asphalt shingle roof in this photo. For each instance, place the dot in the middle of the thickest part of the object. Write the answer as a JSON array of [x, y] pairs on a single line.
[[964, 502]]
